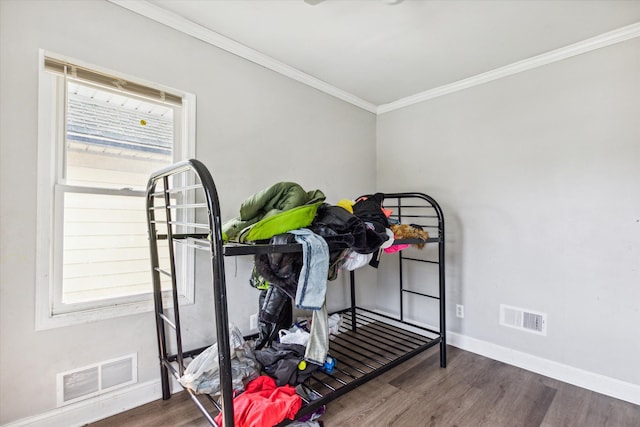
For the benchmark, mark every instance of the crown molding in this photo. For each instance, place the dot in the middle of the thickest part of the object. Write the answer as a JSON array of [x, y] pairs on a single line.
[[186, 26], [177, 22], [588, 45]]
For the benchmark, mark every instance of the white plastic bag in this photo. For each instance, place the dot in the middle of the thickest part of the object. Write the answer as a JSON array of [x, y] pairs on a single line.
[[202, 374], [335, 321], [354, 260], [294, 335]]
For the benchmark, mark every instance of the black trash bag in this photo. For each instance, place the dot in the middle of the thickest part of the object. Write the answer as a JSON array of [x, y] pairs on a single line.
[[283, 363]]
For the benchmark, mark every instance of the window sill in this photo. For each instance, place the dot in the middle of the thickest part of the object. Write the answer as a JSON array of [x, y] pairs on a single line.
[[46, 320]]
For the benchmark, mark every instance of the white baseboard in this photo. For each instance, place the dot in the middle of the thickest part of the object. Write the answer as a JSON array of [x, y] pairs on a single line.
[[94, 409], [122, 400], [591, 381], [588, 380]]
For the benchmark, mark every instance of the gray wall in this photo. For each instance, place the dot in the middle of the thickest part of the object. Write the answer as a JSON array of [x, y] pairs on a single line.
[[254, 127], [539, 178], [537, 174]]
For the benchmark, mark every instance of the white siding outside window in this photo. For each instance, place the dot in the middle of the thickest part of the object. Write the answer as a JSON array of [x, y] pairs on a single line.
[[107, 142]]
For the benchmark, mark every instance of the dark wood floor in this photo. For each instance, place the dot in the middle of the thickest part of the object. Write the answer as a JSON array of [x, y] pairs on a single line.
[[471, 391]]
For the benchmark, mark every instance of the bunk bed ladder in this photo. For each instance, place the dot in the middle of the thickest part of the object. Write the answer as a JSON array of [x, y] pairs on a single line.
[[430, 203], [218, 275], [427, 203]]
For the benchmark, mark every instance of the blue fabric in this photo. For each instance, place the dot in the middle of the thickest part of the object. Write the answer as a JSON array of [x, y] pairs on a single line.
[[312, 283]]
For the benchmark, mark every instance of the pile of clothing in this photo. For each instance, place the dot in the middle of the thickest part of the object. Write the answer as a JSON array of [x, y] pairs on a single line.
[[260, 400], [347, 235]]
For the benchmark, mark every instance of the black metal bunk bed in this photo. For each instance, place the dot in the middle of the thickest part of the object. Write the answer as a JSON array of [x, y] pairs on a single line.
[[369, 343]]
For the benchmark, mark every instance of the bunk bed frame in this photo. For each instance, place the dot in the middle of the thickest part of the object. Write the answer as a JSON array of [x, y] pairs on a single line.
[[369, 342]]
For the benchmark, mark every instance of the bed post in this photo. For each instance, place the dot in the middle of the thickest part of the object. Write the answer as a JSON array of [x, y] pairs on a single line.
[[219, 290], [352, 281], [441, 274]]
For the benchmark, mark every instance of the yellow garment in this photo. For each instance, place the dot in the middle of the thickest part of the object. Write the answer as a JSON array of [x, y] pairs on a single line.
[[346, 204]]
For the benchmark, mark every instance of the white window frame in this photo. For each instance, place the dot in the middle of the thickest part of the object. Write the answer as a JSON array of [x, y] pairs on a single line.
[[49, 193]]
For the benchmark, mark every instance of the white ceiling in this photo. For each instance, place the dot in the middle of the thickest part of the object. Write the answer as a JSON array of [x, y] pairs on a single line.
[[381, 51]]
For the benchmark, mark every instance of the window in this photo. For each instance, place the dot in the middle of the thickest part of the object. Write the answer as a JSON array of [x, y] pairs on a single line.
[[100, 137]]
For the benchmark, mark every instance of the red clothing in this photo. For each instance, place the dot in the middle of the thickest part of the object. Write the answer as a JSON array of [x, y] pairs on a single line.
[[263, 404]]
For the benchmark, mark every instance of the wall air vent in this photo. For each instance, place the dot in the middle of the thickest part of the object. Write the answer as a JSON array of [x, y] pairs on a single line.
[[523, 319], [96, 379]]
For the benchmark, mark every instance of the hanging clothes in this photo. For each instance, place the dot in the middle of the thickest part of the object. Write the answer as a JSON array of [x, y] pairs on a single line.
[[312, 282], [318, 345]]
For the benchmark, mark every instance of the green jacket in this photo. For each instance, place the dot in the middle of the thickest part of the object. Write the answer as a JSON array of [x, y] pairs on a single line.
[[280, 208]]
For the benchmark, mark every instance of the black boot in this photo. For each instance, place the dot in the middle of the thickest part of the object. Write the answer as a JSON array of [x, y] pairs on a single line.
[[275, 313]]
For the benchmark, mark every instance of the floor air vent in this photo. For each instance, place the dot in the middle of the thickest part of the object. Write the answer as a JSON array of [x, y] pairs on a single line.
[[523, 319], [93, 380]]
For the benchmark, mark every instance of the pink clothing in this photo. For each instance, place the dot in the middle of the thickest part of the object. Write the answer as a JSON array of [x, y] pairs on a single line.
[[395, 248]]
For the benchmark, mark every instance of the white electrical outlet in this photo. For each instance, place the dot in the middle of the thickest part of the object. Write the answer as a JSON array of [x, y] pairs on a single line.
[[460, 311], [253, 321]]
